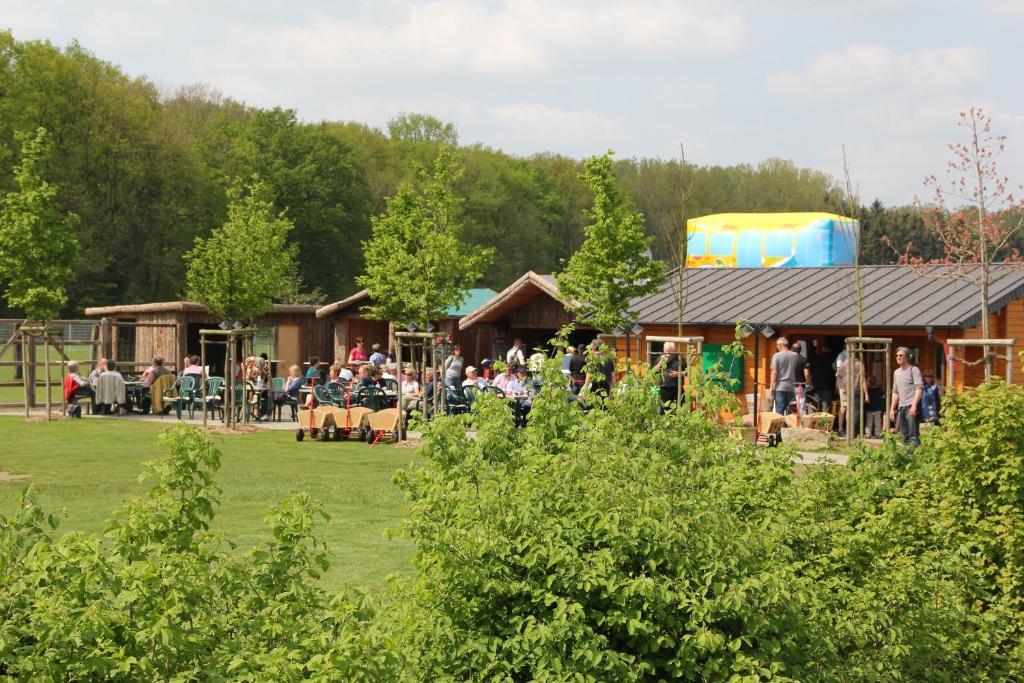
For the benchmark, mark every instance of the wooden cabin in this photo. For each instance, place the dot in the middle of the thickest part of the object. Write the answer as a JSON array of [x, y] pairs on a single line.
[[816, 307], [133, 334], [347, 320], [529, 309]]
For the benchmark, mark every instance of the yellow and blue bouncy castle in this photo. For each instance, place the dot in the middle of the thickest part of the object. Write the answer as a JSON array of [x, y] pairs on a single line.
[[770, 240]]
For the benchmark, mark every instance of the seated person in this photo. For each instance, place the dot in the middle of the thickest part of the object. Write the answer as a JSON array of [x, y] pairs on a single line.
[[314, 371], [387, 372], [154, 371], [412, 392], [366, 376], [292, 385], [473, 379], [345, 372], [503, 379], [75, 386], [110, 389], [192, 367], [100, 368], [334, 374]]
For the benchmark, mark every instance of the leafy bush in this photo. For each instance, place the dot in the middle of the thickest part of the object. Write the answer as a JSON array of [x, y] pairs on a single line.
[[160, 598], [619, 544], [627, 545]]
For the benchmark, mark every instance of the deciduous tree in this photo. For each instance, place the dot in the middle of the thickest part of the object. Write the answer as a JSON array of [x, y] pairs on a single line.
[[979, 228], [416, 264], [38, 246], [613, 264], [244, 265]]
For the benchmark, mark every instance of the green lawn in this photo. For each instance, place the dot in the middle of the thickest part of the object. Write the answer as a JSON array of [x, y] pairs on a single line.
[[88, 466], [79, 352]]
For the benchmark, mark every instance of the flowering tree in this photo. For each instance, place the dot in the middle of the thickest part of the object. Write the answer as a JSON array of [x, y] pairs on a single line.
[[978, 230]]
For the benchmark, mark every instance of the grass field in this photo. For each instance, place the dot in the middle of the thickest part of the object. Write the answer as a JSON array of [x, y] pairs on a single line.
[[88, 466], [79, 352]]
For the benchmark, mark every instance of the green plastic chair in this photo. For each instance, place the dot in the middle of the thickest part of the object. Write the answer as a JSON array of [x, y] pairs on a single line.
[[181, 394], [211, 398]]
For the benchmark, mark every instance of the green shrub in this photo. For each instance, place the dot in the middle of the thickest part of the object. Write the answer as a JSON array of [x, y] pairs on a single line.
[[160, 598]]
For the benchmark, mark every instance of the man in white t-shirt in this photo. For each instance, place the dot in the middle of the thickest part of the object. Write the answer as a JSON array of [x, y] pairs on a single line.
[[515, 354]]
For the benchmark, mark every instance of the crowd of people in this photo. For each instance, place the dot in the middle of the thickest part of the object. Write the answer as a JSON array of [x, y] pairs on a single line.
[[916, 396]]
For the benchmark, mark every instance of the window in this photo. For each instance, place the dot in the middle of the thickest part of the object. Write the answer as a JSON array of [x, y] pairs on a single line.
[[697, 244], [778, 244], [722, 244]]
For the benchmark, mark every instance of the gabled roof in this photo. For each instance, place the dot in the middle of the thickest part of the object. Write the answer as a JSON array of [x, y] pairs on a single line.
[[190, 306], [472, 298], [511, 298], [892, 296]]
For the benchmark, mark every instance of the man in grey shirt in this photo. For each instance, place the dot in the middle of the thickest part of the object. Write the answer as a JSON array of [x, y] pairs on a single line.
[[788, 368], [907, 387]]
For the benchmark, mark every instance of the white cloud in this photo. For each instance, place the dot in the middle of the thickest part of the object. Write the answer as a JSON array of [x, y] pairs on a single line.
[[1011, 7], [29, 21], [514, 36], [866, 68], [549, 127]]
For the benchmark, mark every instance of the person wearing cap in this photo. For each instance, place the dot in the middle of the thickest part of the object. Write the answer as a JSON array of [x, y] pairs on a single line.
[[473, 379]]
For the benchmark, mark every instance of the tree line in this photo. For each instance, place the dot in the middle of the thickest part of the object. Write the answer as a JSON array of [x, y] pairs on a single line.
[[146, 172]]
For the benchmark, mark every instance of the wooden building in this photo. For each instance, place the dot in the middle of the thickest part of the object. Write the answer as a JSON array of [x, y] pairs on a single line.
[[816, 307], [134, 334], [346, 319], [531, 309]]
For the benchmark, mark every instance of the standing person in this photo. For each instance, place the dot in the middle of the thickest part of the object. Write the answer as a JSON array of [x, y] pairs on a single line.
[[515, 354], [788, 368], [875, 408], [570, 351], [377, 358], [907, 388], [358, 353], [931, 398], [578, 370], [453, 367], [853, 404], [824, 376], [601, 380], [674, 367]]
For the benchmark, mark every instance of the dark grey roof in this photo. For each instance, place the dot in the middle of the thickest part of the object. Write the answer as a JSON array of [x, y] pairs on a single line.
[[893, 296]]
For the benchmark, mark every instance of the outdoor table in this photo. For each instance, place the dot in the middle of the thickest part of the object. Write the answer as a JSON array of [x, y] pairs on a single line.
[[133, 394]]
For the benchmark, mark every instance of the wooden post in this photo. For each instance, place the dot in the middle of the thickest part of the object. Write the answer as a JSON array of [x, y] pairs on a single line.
[[46, 358], [400, 375], [31, 362], [25, 372], [202, 373]]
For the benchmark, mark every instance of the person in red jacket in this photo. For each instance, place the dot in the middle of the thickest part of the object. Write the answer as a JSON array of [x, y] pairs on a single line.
[[75, 386]]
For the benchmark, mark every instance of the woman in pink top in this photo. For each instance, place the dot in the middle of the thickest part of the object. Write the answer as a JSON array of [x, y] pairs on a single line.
[[358, 353]]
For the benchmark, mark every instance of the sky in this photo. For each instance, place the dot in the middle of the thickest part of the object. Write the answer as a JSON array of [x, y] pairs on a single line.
[[731, 81]]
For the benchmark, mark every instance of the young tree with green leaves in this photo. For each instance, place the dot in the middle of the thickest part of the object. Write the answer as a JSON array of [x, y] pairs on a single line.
[[416, 264], [244, 265], [613, 264], [38, 245]]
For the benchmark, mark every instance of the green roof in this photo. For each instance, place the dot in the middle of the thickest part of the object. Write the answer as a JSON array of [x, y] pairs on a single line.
[[474, 299]]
